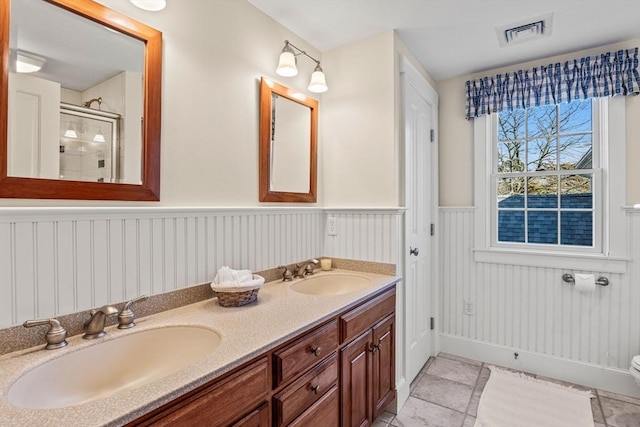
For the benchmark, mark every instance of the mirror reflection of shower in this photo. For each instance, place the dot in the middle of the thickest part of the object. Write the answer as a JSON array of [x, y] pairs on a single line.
[[89, 143]]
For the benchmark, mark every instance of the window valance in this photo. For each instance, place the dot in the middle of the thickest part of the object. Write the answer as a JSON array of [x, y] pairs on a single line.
[[607, 74]]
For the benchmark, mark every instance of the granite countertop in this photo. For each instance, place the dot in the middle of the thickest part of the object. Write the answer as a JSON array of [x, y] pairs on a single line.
[[246, 332]]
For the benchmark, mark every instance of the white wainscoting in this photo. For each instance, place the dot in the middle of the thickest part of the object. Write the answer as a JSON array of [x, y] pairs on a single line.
[[531, 310], [366, 234], [59, 261], [375, 235]]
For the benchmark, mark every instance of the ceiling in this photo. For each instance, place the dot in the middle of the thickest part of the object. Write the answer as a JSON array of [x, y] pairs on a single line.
[[79, 53], [458, 37]]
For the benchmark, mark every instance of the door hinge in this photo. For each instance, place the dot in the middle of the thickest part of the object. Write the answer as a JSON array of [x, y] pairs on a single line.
[[433, 229], [433, 323], [432, 135]]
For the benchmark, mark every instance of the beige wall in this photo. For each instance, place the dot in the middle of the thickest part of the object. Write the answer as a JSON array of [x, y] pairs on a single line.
[[456, 133], [360, 164]]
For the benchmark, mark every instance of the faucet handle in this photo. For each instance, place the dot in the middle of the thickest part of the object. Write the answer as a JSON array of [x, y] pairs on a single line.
[[310, 267], [126, 316], [287, 275], [56, 335]]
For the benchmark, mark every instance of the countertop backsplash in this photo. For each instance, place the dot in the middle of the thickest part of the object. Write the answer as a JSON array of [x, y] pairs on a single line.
[[16, 338]]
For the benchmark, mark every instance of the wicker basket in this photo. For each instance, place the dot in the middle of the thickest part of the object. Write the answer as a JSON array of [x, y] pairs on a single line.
[[236, 299], [238, 296]]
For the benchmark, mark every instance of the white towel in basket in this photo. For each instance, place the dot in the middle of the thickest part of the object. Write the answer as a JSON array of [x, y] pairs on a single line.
[[229, 280], [229, 277]]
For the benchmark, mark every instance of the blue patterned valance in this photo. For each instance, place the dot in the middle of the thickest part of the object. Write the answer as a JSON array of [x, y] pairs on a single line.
[[608, 74]]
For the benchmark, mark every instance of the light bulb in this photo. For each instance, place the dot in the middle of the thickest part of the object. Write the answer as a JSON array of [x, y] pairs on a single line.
[[318, 83], [287, 64]]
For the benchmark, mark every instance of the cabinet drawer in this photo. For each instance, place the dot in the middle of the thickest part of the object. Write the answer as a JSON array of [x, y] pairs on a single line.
[[305, 352], [298, 396], [259, 417], [324, 413], [364, 317], [219, 404]]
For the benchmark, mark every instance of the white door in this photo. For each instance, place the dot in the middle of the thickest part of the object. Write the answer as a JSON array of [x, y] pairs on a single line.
[[419, 110], [34, 127]]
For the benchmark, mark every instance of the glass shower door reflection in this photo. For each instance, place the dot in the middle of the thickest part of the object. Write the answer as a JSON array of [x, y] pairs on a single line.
[[88, 146]]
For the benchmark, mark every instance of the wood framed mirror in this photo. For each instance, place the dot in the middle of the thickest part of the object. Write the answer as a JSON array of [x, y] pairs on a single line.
[[105, 36], [288, 144]]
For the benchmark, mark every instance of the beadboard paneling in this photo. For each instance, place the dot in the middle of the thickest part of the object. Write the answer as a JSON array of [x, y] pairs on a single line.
[[531, 308], [368, 235], [60, 261]]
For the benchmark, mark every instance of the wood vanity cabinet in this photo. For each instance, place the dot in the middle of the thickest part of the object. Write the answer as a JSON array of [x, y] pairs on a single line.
[[341, 373], [368, 361], [311, 361], [239, 399]]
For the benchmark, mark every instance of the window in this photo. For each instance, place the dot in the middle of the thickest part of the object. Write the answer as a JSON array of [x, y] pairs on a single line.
[[545, 173], [547, 188]]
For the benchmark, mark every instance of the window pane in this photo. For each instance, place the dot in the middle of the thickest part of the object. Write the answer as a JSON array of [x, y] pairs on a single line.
[[511, 226], [542, 154], [576, 228], [576, 151], [510, 125], [576, 192], [542, 192], [541, 121], [575, 117], [511, 193], [511, 156], [543, 227]]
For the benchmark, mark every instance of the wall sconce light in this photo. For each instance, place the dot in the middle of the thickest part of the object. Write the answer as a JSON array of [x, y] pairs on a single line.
[[287, 67], [26, 63], [150, 5]]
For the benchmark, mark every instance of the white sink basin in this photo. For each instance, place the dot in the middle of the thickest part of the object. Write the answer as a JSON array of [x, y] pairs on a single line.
[[331, 284], [106, 368]]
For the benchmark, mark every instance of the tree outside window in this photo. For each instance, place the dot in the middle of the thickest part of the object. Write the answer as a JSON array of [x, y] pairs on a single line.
[[544, 175]]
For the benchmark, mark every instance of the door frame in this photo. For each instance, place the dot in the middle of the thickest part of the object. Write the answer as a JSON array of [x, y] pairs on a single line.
[[409, 75]]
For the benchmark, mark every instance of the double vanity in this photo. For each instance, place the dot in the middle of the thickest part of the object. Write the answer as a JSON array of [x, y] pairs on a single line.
[[315, 351]]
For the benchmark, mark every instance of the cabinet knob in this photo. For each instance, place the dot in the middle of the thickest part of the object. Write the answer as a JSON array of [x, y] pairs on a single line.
[[414, 251], [373, 349], [315, 350], [315, 388]]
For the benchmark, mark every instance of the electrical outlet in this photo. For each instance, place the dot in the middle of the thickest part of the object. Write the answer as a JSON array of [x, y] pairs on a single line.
[[332, 226], [469, 309]]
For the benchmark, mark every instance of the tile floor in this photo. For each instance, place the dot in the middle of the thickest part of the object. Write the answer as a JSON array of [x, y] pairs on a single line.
[[447, 392]]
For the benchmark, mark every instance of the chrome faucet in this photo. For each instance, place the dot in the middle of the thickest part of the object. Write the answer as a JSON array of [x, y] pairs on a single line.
[[306, 268], [94, 327]]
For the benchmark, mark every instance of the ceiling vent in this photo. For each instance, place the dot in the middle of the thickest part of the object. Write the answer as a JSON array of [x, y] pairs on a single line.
[[525, 31]]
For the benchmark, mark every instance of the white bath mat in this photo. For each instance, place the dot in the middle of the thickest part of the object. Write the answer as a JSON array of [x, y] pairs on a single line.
[[513, 399]]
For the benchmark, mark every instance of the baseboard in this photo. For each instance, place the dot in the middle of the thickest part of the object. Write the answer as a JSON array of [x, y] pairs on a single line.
[[402, 394], [590, 375]]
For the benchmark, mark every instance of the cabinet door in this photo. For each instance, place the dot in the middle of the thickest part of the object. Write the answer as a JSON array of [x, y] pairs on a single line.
[[356, 384], [383, 365]]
